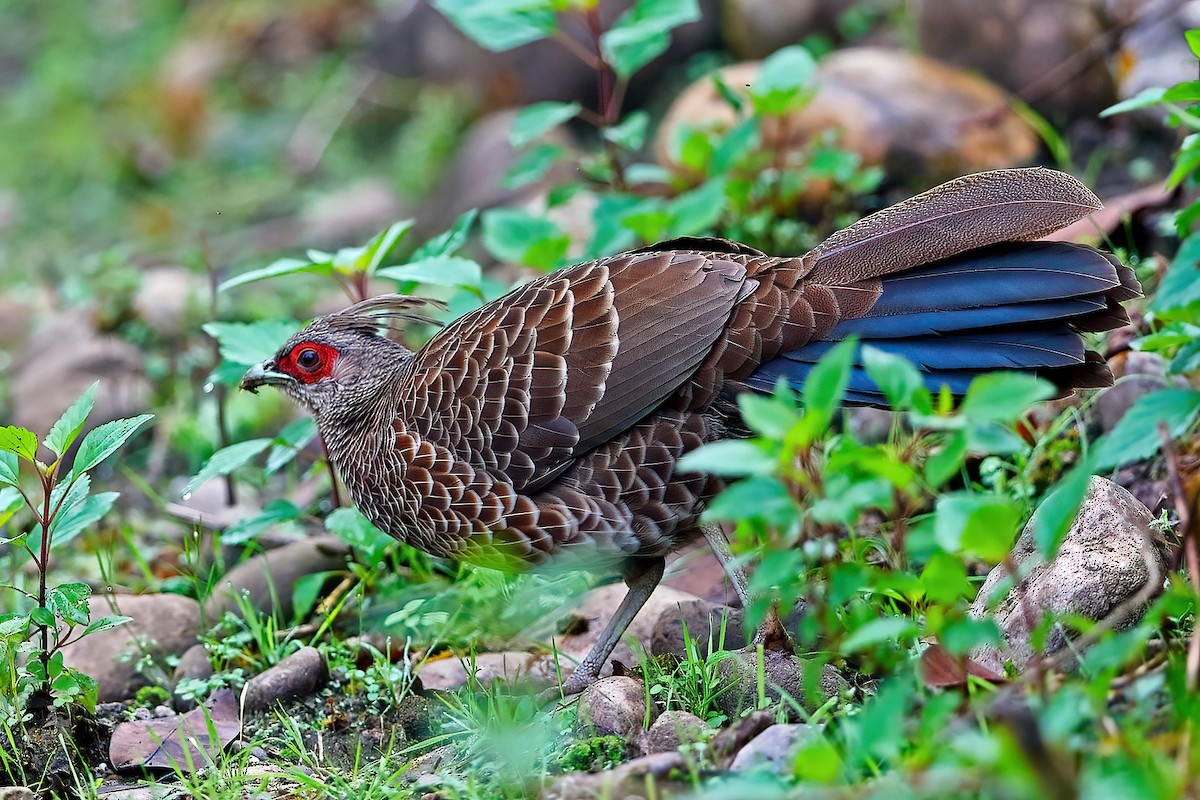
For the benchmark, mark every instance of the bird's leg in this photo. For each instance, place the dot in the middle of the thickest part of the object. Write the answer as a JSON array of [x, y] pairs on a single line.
[[641, 576], [770, 633]]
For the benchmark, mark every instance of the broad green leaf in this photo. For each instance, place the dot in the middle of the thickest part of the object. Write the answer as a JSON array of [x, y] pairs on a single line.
[[106, 623], [740, 140], [275, 512], [449, 241], [826, 383], [437, 271], [9, 469], [383, 243], [74, 520], [104, 440], [878, 631], [42, 617], [1186, 92], [976, 524], [518, 236], [284, 266], [768, 415], [1180, 287], [730, 458], [1003, 396], [1136, 436], [696, 212], [643, 32], [63, 433], [306, 591], [782, 82], [11, 502], [369, 543], [248, 343], [1187, 359], [533, 164], [1193, 40], [68, 602], [14, 626], [1057, 512], [629, 133], [294, 437], [500, 25], [536, 120], [225, 461], [945, 579], [900, 382], [17, 440], [945, 462], [1143, 99], [759, 497]]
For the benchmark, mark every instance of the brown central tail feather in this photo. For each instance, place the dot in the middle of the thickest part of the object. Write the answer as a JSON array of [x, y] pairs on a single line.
[[1012, 306]]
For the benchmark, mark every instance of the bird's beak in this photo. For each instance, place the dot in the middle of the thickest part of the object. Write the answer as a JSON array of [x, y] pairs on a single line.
[[263, 374]]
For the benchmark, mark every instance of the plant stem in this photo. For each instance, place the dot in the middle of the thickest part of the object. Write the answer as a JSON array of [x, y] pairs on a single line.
[[43, 565]]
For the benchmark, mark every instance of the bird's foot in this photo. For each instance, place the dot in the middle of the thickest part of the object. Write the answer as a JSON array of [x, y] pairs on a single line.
[[575, 683], [772, 635]]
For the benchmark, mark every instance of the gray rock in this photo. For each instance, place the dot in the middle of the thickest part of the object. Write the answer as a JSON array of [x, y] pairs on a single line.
[[65, 357], [194, 664], [785, 673], [657, 775], [613, 706], [1107, 557], [449, 674], [1113, 403], [170, 299], [703, 622], [671, 729], [757, 28], [16, 793], [774, 749], [870, 425], [267, 578], [298, 675], [163, 625]]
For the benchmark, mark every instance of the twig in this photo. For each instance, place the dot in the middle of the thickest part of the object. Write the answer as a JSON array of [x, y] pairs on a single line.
[[1190, 542]]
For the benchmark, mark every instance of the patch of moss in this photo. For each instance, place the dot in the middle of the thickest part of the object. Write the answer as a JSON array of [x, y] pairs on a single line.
[[592, 755], [151, 696]]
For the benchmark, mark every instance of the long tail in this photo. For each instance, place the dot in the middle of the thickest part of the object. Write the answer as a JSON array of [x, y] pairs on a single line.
[[960, 291]]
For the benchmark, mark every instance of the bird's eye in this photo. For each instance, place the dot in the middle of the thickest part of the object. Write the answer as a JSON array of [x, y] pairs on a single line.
[[308, 359]]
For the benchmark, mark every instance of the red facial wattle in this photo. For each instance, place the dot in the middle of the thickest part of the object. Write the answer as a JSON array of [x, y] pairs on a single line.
[[309, 362]]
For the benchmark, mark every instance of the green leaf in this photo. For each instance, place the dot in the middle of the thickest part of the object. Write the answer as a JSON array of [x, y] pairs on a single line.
[[11, 502], [878, 631], [382, 245], [518, 236], [225, 461], [629, 133], [643, 32], [500, 25], [1187, 359], [249, 343], [1057, 512], [696, 212], [1143, 99], [1193, 40], [945, 579], [1136, 436], [976, 524], [19, 441], [306, 590], [757, 497], [768, 415], [294, 437], [104, 440], [1180, 287], [826, 383], [275, 512], [42, 617], [449, 241], [64, 432], [370, 544], [729, 457], [1185, 92], [9, 469], [783, 81], [74, 519], [900, 382], [284, 266], [946, 462], [106, 623], [68, 602], [536, 120], [533, 165], [437, 271], [1003, 396]]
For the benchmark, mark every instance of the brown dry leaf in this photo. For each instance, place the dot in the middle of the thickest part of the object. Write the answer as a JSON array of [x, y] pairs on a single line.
[[940, 670], [185, 742], [1107, 220]]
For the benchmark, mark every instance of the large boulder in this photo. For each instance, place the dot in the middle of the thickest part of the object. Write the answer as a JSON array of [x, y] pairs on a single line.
[[1106, 559]]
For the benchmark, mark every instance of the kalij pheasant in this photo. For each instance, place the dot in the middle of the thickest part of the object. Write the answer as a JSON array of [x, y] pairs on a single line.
[[554, 417]]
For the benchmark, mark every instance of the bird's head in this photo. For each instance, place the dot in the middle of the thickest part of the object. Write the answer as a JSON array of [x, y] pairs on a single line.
[[340, 360]]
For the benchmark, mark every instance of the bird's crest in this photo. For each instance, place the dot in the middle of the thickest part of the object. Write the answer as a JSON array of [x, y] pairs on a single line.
[[385, 311]]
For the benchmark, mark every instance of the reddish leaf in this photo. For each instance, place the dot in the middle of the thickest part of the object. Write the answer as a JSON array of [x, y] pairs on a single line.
[[940, 670], [185, 742]]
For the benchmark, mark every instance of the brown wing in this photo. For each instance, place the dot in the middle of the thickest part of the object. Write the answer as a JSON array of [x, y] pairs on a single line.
[[522, 386]]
